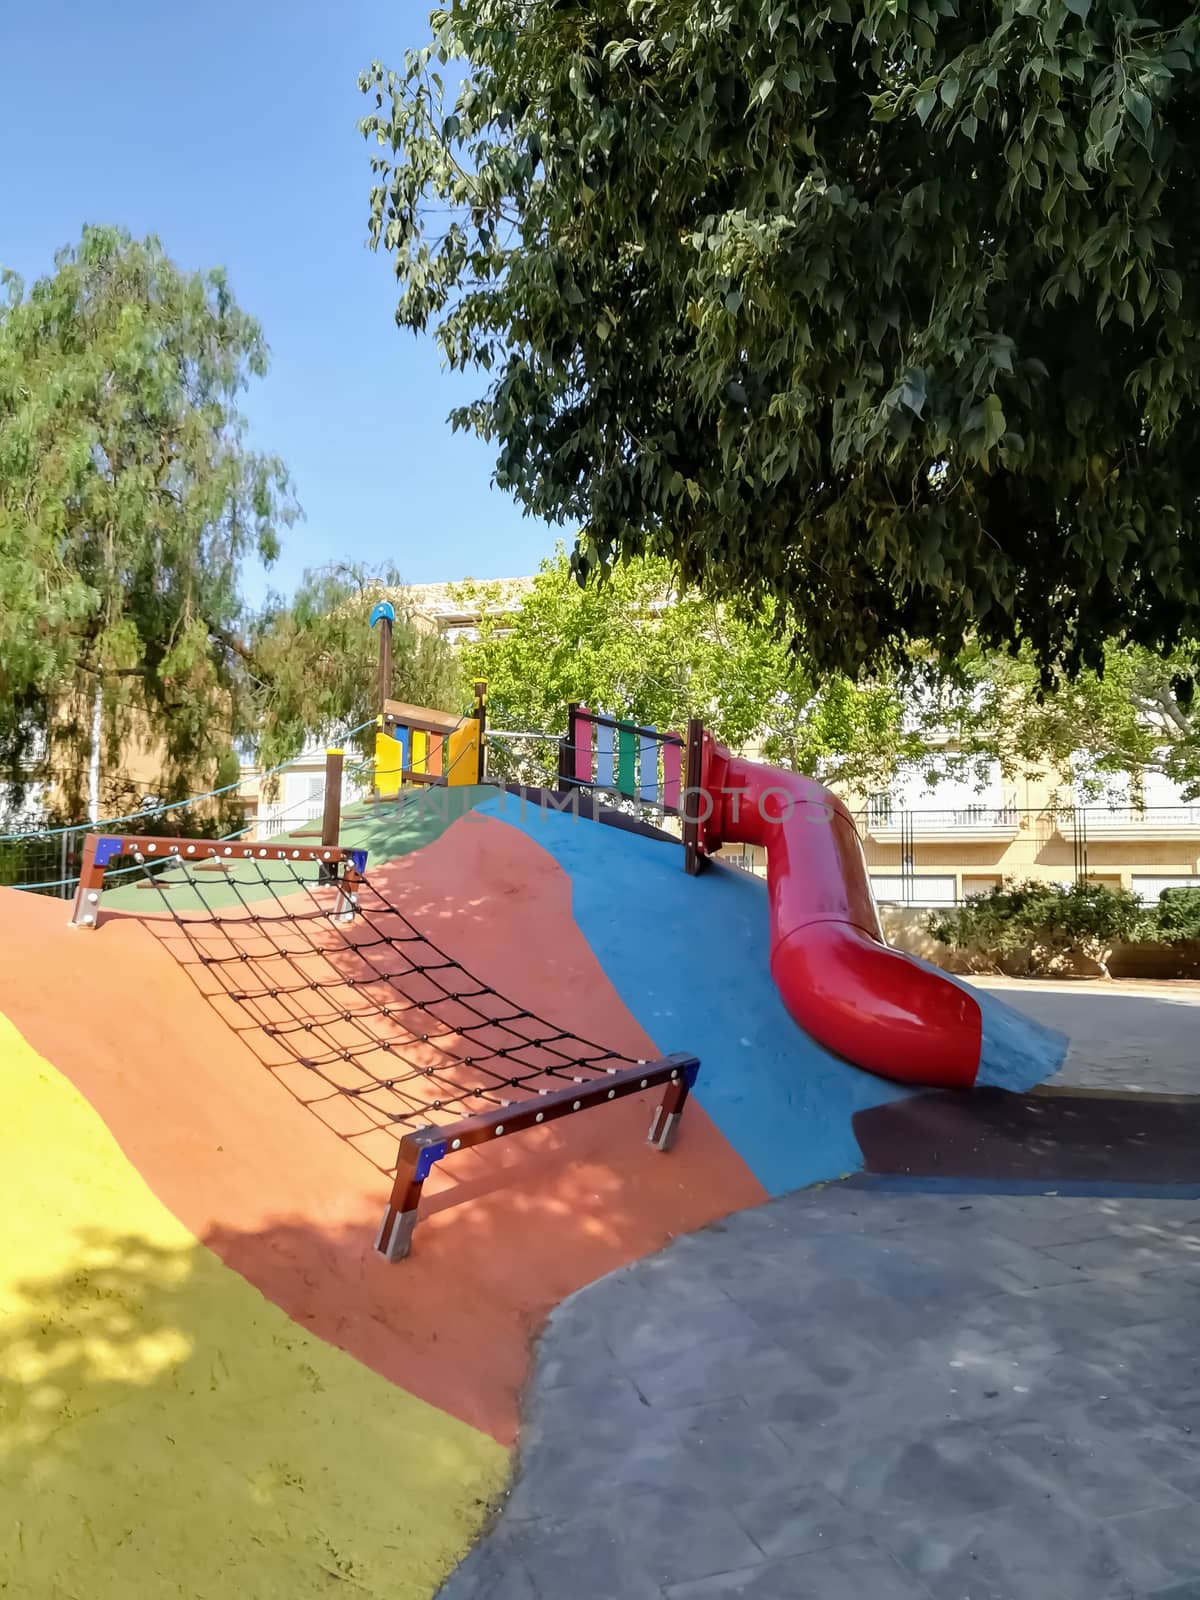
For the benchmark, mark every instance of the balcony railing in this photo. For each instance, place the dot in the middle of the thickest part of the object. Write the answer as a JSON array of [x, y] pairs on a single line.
[[884, 815], [1138, 818]]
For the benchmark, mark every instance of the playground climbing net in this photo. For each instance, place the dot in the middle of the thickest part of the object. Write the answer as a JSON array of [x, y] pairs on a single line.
[[369, 1022]]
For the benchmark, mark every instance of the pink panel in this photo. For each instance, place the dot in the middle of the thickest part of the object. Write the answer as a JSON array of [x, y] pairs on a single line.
[[583, 746], [672, 757]]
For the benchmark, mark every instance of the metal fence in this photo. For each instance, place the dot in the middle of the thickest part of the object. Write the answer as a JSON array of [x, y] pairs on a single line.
[[928, 857], [44, 855], [35, 855]]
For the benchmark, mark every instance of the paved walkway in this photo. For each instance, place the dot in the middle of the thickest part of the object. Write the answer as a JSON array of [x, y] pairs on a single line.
[[855, 1395], [1124, 1035]]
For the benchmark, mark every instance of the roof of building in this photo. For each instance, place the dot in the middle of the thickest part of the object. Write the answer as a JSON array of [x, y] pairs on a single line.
[[445, 603]]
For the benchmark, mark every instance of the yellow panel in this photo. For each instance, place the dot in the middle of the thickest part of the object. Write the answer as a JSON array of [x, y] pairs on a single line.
[[387, 764], [167, 1432], [420, 747], [462, 753]]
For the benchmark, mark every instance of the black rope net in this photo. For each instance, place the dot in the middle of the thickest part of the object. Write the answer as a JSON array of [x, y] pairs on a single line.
[[367, 1022]]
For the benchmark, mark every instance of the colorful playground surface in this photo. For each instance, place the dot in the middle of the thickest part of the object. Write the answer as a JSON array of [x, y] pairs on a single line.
[[213, 1381]]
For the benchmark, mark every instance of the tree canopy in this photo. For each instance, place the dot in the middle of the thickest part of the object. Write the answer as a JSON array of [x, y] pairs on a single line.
[[639, 646], [1136, 716], [883, 314], [316, 660], [129, 504]]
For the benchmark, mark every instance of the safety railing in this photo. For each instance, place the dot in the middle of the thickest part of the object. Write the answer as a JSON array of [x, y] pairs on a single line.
[[622, 758], [882, 815]]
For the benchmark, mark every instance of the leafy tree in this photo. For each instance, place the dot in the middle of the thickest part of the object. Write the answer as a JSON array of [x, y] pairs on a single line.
[[1136, 714], [1036, 928], [888, 314], [128, 502], [639, 646], [316, 659], [1176, 917]]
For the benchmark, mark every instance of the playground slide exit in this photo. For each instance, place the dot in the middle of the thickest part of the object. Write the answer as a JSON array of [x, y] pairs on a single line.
[[838, 977]]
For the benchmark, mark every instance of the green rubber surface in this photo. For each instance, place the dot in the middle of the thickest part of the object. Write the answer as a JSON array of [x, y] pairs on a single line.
[[385, 831]]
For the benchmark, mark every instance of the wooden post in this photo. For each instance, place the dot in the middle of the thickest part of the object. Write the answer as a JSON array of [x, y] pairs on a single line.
[[385, 660], [480, 714], [331, 816], [86, 912], [418, 1153], [690, 799], [665, 1126], [384, 614], [566, 751]]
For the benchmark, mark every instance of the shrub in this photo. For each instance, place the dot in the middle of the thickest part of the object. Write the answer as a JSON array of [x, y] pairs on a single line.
[[1036, 928], [1176, 917]]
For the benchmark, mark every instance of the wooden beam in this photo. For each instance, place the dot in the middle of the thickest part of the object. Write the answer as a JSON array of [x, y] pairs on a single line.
[[422, 718]]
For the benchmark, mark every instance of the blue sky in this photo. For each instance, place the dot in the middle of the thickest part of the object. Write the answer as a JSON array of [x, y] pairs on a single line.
[[230, 131]]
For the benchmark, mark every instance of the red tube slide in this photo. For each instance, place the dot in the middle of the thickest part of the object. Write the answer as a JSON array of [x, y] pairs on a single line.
[[836, 974]]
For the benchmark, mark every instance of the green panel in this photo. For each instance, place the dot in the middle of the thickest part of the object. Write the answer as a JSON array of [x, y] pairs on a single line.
[[626, 757]]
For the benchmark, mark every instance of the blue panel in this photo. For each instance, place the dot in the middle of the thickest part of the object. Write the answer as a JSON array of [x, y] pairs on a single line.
[[648, 771], [404, 740], [605, 776]]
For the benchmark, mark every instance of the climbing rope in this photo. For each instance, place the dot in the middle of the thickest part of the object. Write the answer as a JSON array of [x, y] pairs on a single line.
[[368, 1022]]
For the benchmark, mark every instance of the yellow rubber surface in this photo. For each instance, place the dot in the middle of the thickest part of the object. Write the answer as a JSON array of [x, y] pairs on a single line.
[[164, 1430]]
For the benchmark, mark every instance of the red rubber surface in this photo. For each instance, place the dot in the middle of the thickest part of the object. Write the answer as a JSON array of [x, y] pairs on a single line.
[[839, 979]]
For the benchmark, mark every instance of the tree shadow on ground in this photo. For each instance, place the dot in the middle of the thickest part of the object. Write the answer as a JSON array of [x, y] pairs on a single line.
[[165, 1431]]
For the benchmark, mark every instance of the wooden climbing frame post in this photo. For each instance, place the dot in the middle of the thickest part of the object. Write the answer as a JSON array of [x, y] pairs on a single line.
[[692, 797], [566, 751], [479, 712], [385, 617], [331, 815]]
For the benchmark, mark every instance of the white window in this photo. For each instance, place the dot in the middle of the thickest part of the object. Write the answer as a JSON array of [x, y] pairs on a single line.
[[915, 891], [976, 794], [879, 810], [1148, 888]]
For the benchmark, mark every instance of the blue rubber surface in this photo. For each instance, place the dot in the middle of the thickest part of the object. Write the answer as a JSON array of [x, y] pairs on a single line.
[[1017, 1051], [693, 969]]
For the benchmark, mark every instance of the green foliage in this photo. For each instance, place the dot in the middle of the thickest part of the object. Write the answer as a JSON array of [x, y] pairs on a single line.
[[1038, 928], [886, 315], [1176, 917], [638, 646], [317, 659], [1137, 713], [128, 501]]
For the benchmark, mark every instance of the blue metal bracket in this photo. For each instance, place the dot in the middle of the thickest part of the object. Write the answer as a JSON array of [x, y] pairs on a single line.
[[107, 849], [358, 859], [384, 611], [428, 1159]]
